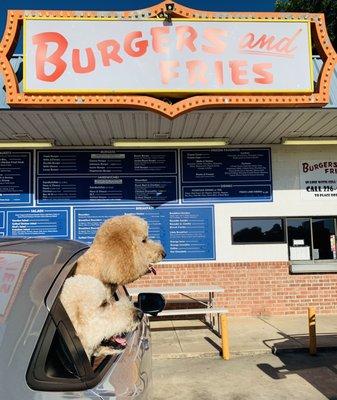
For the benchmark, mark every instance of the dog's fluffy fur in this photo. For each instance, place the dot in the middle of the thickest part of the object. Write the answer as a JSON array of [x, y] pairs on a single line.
[[120, 254], [94, 314], [121, 251]]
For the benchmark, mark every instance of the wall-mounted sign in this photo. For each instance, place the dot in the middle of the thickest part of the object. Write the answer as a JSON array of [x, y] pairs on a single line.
[[106, 177], [16, 174], [187, 233], [187, 56], [318, 179], [38, 222], [137, 59], [226, 175], [72, 191], [106, 161]]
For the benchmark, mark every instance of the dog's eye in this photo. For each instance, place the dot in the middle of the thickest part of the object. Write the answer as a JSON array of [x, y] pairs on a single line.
[[144, 240]]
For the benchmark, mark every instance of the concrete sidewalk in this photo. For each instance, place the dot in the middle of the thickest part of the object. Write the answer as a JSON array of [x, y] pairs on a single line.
[[247, 336]]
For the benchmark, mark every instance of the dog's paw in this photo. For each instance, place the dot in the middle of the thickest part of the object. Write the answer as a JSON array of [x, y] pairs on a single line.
[[106, 351]]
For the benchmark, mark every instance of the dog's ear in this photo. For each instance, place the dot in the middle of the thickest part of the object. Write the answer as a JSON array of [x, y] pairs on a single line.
[[114, 244], [110, 230]]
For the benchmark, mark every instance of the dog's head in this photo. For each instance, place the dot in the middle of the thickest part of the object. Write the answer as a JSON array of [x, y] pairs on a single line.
[[124, 251], [95, 314]]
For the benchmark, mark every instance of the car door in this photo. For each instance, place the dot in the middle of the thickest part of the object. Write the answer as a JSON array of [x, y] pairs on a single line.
[[59, 368], [124, 376], [130, 376]]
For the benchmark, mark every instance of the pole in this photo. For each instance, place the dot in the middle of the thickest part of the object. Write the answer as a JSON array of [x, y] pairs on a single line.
[[224, 336], [312, 330]]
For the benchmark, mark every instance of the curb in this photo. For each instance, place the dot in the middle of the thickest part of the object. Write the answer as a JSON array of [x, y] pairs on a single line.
[[322, 349], [244, 353], [233, 354]]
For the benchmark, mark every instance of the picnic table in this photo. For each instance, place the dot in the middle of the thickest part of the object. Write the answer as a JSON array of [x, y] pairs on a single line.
[[207, 308], [189, 292]]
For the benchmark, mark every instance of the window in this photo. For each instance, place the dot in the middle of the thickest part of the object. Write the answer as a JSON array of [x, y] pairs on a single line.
[[257, 230], [324, 238], [299, 238], [59, 362], [309, 238], [312, 238]]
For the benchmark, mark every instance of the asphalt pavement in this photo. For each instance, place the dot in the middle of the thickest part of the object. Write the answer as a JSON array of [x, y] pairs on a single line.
[[247, 336], [287, 376]]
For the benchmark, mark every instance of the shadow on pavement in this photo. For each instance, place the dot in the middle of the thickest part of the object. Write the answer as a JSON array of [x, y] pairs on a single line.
[[300, 342], [319, 370], [215, 345]]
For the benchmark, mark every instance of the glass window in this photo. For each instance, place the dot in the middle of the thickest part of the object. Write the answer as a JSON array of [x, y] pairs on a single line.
[[312, 238], [324, 238], [299, 238], [257, 230]]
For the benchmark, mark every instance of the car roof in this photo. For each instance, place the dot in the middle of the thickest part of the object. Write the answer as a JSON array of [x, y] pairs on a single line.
[[28, 268]]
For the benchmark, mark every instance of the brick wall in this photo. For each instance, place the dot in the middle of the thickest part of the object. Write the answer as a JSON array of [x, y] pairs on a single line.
[[264, 288]]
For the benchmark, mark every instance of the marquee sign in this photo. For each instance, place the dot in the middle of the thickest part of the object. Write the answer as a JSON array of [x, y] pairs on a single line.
[[167, 62], [152, 56]]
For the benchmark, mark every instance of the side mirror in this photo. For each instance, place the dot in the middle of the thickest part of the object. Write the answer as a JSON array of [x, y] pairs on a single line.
[[150, 303]]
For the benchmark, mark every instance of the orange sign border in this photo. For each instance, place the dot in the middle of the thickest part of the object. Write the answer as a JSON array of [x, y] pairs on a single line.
[[15, 98]]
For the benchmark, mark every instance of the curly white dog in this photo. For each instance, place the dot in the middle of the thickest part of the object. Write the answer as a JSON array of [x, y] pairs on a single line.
[[95, 315]]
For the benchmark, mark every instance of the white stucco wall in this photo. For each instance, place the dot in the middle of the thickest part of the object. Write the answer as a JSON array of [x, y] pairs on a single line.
[[286, 202]]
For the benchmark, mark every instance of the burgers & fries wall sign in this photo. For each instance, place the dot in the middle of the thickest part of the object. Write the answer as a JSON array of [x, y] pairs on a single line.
[[136, 59]]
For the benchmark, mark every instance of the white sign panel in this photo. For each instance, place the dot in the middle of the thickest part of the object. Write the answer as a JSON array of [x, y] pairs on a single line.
[[318, 179], [153, 56], [299, 253]]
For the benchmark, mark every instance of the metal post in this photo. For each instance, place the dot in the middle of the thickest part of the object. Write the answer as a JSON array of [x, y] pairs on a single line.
[[224, 337], [312, 330]]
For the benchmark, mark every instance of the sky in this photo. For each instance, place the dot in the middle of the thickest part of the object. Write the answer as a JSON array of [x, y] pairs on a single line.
[[103, 5]]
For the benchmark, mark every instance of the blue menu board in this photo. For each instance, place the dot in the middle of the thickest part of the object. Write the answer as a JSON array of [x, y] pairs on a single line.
[[106, 162], [106, 177], [16, 178], [187, 233], [38, 222], [106, 189], [2, 220], [88, 220], [226, 175], [72, 191]]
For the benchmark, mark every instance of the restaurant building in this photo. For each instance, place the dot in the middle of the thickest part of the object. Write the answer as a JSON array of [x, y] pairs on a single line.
[[218, 128]]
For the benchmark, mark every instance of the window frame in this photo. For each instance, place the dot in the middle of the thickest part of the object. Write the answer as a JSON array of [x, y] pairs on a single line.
[[284, 220], [312, 260], [58, 322], [258, 243]]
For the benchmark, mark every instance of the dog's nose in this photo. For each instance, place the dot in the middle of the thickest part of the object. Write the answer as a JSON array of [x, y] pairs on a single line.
[[163, 253], [139, 314]]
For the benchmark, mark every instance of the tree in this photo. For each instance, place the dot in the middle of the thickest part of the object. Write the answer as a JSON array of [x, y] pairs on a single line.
[[328, 7]]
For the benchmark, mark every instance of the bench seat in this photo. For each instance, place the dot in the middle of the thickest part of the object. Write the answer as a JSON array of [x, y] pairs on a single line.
[[194, 311]]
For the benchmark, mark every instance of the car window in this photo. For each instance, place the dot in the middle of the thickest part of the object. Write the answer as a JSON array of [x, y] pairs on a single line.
[[59, 361], [55, 364]]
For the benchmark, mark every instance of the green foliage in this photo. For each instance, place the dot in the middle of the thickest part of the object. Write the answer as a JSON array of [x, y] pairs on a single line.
[[328, 7]]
